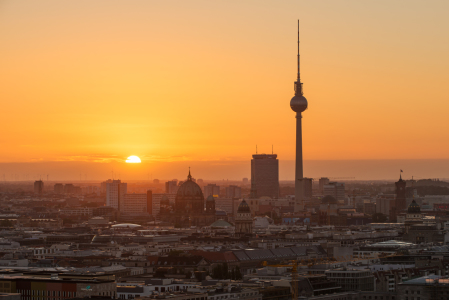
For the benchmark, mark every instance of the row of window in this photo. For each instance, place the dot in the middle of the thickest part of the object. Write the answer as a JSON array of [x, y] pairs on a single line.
[[48, 294]]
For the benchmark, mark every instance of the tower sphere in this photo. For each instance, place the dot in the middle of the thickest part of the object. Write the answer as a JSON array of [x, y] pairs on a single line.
[[298, 103]]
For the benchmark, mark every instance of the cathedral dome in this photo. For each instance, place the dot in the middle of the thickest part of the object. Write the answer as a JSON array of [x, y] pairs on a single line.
[[414, 208], [329, 200], [189, 189], [189, 198], [243, 207]]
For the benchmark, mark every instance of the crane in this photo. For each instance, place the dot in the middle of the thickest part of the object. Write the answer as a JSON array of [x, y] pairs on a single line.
[[294, 265]]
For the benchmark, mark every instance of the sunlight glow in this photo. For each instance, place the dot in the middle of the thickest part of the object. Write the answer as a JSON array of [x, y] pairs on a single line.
[[133, 160]]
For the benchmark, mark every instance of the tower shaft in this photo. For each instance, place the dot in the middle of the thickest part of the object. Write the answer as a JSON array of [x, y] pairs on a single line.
[[299, 184]]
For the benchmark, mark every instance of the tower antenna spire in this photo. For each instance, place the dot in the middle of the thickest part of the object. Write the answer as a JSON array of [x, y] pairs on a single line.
[[298, 50], [298, 84]]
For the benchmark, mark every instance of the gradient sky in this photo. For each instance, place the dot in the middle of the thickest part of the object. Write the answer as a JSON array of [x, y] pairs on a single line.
[[169, 81]]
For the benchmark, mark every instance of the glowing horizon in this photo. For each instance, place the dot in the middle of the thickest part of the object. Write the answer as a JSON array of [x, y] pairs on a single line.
[[95, 81]]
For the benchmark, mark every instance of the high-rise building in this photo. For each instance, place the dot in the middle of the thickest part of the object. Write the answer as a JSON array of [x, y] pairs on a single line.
[[298, 104], [39, 187], [171, 187], [336, 190], [211, 190], [265, 175], [322, 182], [59, 188], [233, 191], [308, 188], [115, 191]]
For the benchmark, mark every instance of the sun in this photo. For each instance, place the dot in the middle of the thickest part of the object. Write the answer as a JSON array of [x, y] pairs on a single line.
[[133, 160]]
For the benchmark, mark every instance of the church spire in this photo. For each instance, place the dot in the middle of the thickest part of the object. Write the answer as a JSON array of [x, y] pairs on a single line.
[[189, 177]]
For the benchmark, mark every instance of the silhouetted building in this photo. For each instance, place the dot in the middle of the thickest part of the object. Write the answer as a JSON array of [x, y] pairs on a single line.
[[322, 182], [211, 189], [265, 175], [335, 189], [308, 187], [39, 187], [171, 187], [233, 191], [243, 220], [210, 204], [58, 188], [399, 203], [190, 208]]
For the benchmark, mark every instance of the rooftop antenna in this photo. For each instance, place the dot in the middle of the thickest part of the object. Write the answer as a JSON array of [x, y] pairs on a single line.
[[256, 149], [272, 151]]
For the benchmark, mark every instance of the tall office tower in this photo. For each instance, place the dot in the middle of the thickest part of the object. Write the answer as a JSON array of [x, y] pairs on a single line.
[[308, 188], [335, 189], [322, 182], [211, 189], [115, 191], [59, 188], [399, 203], [298, 104], [233, 191], [171, 187], [265, 175], [39, 187]]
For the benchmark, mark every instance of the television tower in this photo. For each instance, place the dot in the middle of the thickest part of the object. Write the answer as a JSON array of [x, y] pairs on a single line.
[[298, 104]]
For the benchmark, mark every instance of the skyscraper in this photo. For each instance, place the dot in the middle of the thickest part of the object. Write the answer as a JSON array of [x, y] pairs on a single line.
[[38, 187], [115, 191], [265, 175], [298, 104]]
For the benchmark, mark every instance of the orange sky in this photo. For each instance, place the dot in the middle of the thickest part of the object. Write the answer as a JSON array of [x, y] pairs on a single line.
[[208, 80]]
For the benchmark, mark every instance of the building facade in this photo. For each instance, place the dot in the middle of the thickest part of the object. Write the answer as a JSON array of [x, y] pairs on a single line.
[[265, 175], [211, 190], [39, 187], [115, 191], [243, 220]]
